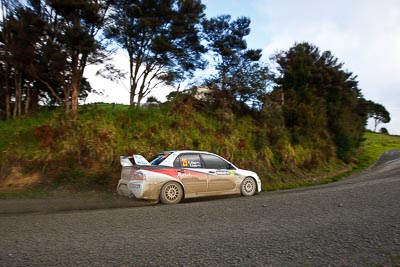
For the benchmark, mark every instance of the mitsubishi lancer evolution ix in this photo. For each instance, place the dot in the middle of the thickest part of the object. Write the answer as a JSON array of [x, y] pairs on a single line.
[[175, 175]]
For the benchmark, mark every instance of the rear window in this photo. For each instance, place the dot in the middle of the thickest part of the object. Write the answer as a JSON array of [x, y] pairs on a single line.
[[214, 162], [159, 158]]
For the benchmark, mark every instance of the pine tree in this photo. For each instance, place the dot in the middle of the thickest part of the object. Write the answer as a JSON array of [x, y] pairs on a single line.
[[320, 98]]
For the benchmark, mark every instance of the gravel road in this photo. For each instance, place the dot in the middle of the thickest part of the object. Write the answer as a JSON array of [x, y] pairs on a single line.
[[354, 222]]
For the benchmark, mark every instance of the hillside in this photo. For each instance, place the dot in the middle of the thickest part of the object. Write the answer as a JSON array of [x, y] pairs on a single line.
[[47, 151]]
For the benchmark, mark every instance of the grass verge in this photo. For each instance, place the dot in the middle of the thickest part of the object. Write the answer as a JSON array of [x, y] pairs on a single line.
[[374, 145]]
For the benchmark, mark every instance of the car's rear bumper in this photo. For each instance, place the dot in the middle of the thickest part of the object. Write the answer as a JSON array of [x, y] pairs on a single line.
[[144, 190]]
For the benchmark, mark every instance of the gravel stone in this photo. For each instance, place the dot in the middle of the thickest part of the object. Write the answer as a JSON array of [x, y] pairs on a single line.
[[353, 222]]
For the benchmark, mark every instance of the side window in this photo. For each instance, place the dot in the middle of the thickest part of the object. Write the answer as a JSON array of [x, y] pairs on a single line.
[[188, 161], [214, 162], [177, 162]]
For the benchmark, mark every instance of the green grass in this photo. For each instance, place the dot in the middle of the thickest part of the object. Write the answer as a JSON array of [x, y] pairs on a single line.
[[84, 153], [10, 129], [374, 145]]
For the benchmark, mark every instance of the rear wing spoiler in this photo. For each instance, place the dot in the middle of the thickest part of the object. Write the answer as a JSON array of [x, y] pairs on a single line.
[[127, 161]]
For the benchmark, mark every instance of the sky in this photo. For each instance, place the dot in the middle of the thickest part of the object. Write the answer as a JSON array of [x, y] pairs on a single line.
[[363, 34]]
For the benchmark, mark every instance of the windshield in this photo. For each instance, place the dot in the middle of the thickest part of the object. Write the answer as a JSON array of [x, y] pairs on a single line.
[[160, 158]]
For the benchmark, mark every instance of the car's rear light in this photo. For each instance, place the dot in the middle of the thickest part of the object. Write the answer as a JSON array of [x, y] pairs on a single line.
[[139, 176]]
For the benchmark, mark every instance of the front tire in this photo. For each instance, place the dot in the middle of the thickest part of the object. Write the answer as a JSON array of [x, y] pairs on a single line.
[[248, 187], [171, 193]]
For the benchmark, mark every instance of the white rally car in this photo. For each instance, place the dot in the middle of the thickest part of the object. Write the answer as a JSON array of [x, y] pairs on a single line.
[[174, 175]]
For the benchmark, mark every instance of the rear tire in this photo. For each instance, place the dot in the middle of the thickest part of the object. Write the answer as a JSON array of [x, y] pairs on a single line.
[[120, 190], [248, 187], [171, 193]]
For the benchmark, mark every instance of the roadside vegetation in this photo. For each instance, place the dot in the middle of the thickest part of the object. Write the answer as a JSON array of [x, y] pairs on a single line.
[[374, 145], [46, 152]]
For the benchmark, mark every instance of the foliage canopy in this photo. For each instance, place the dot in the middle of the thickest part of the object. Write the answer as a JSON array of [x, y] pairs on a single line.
[[161, 38]]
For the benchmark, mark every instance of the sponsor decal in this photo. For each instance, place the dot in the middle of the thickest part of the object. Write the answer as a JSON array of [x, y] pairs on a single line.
[[195, 164], [191, 174], [184, 162], [140, 160], [184, 175], [190, 163], [173, 173], [134, 186], [169, 172]]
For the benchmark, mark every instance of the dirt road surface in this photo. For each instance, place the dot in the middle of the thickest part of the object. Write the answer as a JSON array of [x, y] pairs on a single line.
[[354, 222]]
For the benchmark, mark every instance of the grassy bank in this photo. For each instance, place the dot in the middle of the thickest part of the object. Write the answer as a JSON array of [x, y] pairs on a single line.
[[47, 152], [374, 145]]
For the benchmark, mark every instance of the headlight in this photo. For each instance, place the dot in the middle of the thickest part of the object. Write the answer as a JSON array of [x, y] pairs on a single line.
[[139, 176]]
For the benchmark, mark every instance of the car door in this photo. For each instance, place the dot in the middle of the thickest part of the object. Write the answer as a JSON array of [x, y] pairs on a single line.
[[221, 175], [190, 171]]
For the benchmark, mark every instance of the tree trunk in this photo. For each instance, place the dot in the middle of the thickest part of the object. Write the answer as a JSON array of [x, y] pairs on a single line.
[[5, 33], [132, 91], [223, 83], [133, 77], [34, 99], [74, 99], [7, 98], [67, 102], [75, 85], [141, 90], [27, 98], [18, 93]]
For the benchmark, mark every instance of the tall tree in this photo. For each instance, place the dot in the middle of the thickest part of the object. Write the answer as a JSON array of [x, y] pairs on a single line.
[[378, 113], [53, 42], [47, 44], [74, 26], [5, 87], [15, 50], [240, 74], [319, 95], [161, 38], [304, 110], [25, 31]]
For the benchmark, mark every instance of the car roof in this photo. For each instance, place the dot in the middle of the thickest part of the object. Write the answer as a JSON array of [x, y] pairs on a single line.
[[186, 151], [175, 153]]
